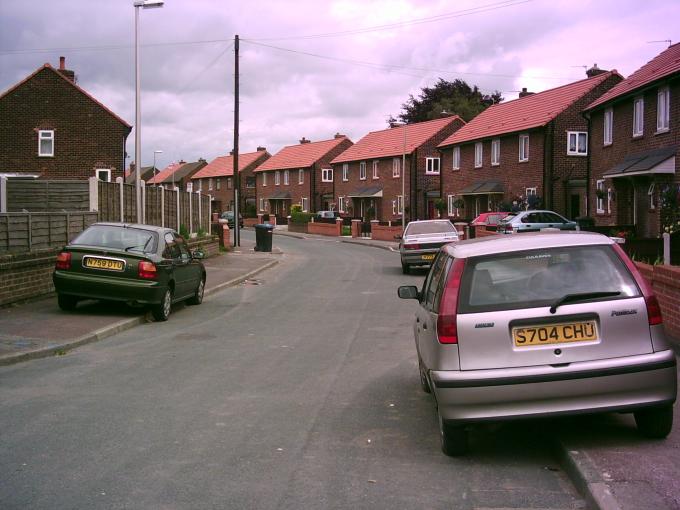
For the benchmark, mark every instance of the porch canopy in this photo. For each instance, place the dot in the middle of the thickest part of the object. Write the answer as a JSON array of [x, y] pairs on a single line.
[[370, 192], [280, 195], [483, 188], [655, 161]]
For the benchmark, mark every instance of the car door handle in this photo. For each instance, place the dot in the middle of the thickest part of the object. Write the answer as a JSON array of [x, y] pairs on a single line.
[[417, 319], [424, 327]]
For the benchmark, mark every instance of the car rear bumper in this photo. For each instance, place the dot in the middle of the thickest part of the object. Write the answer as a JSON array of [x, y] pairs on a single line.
[[415, 257], [621, 384], [113, 289]]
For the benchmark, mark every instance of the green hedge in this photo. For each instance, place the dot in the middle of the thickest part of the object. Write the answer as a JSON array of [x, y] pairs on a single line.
[[300, 217]]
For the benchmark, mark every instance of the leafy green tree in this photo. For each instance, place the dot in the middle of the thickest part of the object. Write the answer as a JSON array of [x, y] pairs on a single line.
[[456, 97]]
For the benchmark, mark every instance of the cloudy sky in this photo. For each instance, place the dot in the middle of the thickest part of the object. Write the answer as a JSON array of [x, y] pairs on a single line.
[[315, 67]]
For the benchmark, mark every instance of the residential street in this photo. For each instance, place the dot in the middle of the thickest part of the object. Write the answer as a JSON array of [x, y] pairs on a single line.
[[296, 390]]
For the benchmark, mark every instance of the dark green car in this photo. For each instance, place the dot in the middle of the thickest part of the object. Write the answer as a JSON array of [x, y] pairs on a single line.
[[136, 264]]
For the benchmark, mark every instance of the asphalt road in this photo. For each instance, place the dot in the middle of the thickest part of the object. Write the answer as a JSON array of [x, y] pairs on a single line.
[[295, 391]]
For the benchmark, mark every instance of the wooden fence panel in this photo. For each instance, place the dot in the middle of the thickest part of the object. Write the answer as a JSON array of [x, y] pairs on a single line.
[[26, 232], [47, 195]]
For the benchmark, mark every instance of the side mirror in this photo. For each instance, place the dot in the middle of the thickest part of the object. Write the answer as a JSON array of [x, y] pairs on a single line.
[[197, 254], [408, 292]]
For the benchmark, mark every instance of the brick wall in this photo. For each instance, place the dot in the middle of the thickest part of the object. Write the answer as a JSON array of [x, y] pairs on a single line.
[[384, 233], [86, 136], [665, 281], [325, 229], [326, 188]]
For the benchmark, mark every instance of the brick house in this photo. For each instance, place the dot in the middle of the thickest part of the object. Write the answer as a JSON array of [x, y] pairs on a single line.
[[53, 129], [297, 174], [368, 178], [634, 140], [534, 145], [217, 180], [178, 175]]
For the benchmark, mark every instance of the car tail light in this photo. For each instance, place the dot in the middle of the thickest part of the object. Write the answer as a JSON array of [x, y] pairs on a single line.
[[447, 329], [63, 261], [147, 270], [508, 228], [412, 246], [653, 308]]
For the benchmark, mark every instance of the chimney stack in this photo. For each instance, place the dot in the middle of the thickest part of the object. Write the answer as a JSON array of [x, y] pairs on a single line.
[[261, 149], [594, 71], [525, 92], [304, 140], [338, 136], [66, 72]]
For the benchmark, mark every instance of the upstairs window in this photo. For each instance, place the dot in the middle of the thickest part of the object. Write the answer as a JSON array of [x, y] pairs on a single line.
[[210, 184], [103, 174], [230, 182], [496, 152], [396, 167], [218, 184], [638, 116], [456, 158], [264, 178], [345, 172], [362, 171], [375, 170], [46, 143], [301, 176], [663, 100], [523, 148], [326, 175], [577, 143], [250, 182], [432, 166], [286, 177], [277, 178], [608, 126], [479, 154]]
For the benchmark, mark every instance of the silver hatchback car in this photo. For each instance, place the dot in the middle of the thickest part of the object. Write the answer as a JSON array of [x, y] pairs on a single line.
[[541, 324], [422, 240], [534, 221]]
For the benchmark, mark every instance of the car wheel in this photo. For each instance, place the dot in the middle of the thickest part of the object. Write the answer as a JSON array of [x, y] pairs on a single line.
[[197, 298], [655, 422], [404, 268], [453, 437], [161, 311], [67, 302], [424, 383]]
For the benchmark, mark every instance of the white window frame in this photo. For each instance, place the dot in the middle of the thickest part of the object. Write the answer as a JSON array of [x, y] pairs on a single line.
[[286, 177], [218, 183], [105, 171], [190, 186], [663, 103], [396, 167], [432, 166], [529, 191], [210, 183], [609, 200], [326, 175], [523, 148], [496, 152], [599, 202], [341, 204], [46, 135], [394, 207], [638, 116], [198, 188], [277, 178], [577, 135], [264, 178], [455, 158], [650, 194], [305, 204], [362, 171], [230, 182], [375, 170], [479, 155], [345, 172], [608, 129], [452, 211], [262, 204], [400, 204], [301, 176]]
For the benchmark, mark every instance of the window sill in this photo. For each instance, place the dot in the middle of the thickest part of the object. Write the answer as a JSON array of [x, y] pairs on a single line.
[[577, 154], [638, 137], [455, 169], [481, 166], [607, 144], [662, 131], [431, 173], [523, 161], [495, 164], [45, 155]]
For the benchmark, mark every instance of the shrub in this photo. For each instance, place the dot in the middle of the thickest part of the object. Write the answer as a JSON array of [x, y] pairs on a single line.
[[184, 231], [295, 208], [300, 217]]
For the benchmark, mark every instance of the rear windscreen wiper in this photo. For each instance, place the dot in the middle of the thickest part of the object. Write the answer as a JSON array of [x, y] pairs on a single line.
[[571, 298]]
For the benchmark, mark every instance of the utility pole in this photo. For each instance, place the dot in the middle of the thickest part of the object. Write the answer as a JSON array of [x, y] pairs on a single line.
[[237, 177]]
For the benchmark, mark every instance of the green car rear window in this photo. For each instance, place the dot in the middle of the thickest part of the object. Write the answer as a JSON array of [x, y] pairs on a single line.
[[528, 279], [118, 238]]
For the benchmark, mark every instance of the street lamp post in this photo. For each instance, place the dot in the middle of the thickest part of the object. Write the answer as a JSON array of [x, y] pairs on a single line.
[[144, 4], [154, 165]]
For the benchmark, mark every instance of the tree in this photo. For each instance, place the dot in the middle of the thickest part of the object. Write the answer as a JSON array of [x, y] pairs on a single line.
[[456, 97]]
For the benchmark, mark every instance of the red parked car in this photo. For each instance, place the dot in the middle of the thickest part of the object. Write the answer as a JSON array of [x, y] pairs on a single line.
[[488, 219]]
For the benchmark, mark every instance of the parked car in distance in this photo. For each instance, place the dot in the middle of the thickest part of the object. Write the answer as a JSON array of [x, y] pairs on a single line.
[[488, 219], [229, 216], [534, 221], [327, 215], [541, 324], [421, 242], [136, 264]]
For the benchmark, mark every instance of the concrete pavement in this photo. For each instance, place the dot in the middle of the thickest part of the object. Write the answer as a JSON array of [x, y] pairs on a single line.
[[39, 329]]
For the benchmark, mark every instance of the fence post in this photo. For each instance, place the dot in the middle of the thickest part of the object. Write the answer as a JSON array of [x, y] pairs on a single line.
[[191, 216], [666, 248], [30, 232], [3, 196], [178, 216], [121, 197], [200, 216], [142, 186], [94, 193], [162, 206]]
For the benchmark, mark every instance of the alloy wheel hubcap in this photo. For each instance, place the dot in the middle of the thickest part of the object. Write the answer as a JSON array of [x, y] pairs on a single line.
[[199, 293], [166, 304]]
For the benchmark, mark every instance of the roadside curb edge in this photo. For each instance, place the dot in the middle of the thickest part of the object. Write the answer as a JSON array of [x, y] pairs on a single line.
[[243, 277]]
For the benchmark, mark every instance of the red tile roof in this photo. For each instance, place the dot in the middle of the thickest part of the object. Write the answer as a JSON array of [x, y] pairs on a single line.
[[527, 112], [73, 84], [223, 166], [664, 64], [166, 172], [302, 155], [390, 142]]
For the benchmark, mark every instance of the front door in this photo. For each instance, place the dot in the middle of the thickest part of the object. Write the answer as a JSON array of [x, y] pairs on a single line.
[[574, 206], [430, 210]]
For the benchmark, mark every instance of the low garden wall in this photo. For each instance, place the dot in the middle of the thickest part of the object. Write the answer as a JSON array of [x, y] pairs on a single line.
[[325, 229], [384, 233], [250, 222], [300, 228]]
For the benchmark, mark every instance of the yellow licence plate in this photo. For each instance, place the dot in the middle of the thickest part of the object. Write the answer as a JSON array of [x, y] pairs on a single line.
[[427, 257], [111, 265], [555, 333]]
